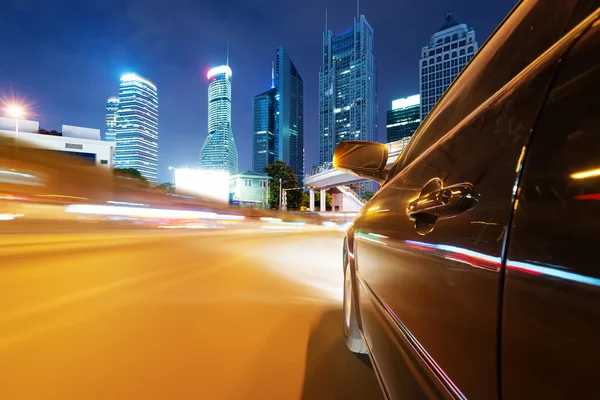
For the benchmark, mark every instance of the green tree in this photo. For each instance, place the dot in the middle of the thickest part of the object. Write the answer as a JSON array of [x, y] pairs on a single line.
[[367, 196], [167, 187], [281, 170], [130, 173], [328, 200]]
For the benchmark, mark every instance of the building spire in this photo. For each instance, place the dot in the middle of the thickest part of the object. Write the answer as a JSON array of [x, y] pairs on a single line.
[[227, 59], [272, 74], [325, 19]]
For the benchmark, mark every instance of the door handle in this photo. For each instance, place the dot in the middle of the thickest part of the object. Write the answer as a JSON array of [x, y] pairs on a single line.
[[438, 202]]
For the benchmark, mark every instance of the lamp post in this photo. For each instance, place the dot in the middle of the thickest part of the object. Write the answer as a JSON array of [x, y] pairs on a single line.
[[17, 112], [173, 169]]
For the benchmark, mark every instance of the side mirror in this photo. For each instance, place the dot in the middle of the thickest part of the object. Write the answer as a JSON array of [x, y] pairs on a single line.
[[364, 159]]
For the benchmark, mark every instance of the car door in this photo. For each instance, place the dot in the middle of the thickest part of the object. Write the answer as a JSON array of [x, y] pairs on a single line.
[[551, 312], [429, 287]]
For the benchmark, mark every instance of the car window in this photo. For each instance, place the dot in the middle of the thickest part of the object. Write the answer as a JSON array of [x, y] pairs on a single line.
[[551, 294], [531, 28]]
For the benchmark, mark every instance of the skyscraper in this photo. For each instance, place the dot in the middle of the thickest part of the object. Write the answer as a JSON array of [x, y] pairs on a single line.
[[289, 113], [112, 107], [263, 118], [137, 126], [404, 118], [449, 49], [219, 151], [347, 88]]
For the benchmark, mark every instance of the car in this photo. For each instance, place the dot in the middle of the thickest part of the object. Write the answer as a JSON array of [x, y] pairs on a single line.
[[473, 271]]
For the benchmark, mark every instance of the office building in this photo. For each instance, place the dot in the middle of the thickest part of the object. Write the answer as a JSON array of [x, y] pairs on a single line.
[[112, 107], [347, 88], [263, 119], [137, 126], [219, 151], [447, 53], [289, 113], [249, 189], [404, 118], [83, 144]]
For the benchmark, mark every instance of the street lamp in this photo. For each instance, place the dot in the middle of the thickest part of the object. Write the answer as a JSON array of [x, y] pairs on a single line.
[[17, 112], [174, 172]]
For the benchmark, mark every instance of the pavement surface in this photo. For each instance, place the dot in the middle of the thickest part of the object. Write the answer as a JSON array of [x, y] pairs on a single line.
[[176, 314]]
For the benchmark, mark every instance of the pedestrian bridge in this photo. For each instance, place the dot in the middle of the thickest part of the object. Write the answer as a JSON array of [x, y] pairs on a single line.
[[326, 177]]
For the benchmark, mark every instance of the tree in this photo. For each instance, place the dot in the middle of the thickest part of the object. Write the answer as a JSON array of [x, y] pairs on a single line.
[[281, 170], [167, 187], [328, 200], [367, 196], [130, 173]]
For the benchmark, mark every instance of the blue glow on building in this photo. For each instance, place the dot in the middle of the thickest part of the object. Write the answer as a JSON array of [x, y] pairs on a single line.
[[219, 151], [112, 108], [136, 130]]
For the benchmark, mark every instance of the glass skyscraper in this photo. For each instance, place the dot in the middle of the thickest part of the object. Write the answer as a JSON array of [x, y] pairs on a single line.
[[447, 53], [219, 151], [404, 118], [112, 107], [263, 118], [289, 113], [137, 126], [347, 88]]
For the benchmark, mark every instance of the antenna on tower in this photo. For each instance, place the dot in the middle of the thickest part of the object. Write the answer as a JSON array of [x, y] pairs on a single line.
[[325, 19], [227, 60], [272, 74]]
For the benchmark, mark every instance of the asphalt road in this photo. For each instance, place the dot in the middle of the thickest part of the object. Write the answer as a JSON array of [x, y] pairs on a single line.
[[175, 315]]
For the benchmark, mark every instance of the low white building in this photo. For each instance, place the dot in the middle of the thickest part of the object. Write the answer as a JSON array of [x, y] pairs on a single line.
[[73, 140]]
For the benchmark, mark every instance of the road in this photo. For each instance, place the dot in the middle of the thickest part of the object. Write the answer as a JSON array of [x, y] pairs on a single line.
[[170, 314]]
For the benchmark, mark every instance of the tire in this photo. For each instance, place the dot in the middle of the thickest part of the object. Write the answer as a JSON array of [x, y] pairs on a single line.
[[351, 331]]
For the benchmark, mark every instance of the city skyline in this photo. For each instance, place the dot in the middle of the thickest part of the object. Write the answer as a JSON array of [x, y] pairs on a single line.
[[85, 78]]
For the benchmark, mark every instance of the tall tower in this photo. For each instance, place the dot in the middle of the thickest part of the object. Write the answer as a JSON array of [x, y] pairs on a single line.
[[289, 113], [447, 53], [263, 119], [137, 126], [347, 88], [112, 107], [219, 151]]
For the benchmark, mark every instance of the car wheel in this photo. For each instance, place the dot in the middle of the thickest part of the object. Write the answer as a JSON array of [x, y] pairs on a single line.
[[351, 332]]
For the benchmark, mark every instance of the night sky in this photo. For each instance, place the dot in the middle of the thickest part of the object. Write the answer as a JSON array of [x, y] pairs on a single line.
[[65, 57]]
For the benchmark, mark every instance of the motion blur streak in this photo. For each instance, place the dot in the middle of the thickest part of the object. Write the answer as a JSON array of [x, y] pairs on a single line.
[[238, 313], [146, 212]]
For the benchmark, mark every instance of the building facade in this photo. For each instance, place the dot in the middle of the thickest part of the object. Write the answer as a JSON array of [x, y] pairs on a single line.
[[263, 121], [249, 189], [289, 113], [136, 131], [219, 151], [83, 144], [347, 89], [447, 53], [404, 118], [112, 108]]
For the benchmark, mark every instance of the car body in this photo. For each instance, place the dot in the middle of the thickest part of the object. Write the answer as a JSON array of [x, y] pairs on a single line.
[[473, 271]]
